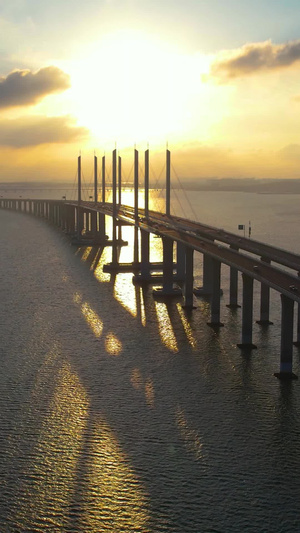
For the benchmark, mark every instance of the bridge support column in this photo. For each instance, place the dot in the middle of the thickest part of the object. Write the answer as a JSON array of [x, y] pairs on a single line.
[[136, 246], [264, 302], [115, 259], [167, 288], [207, 284], [233, 290], [94, 223], [181, 261], [286, 345], [215, 296], [79, 221], [188, 293], [102, 230], [145, 272], [247, 320], [297, 341]]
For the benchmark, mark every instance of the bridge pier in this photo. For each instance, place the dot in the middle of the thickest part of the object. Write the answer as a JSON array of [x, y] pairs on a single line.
[[297, 341], [207, 284], [167, 289], [247, 319], [181, 261], [102, 228], [233, 287], [215, 295], [264, 301], [79, 221], [145, 265], [286, 345], [188, 285]]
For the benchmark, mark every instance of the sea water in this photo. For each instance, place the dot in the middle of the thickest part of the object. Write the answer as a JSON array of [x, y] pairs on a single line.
[[119, 413]]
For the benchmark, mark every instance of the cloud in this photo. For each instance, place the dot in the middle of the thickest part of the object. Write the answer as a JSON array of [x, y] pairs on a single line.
[[255, 57], [33, 131], [23, 87]]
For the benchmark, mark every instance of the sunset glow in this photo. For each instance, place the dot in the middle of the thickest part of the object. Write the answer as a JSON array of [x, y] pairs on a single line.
[[214, 81]]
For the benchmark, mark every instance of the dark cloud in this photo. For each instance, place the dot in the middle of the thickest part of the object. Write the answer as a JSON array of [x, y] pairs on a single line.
[[256, 57], [23, 87], [32, 131]]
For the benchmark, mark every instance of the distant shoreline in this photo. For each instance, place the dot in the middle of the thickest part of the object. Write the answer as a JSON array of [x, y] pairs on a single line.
[[247, 185]]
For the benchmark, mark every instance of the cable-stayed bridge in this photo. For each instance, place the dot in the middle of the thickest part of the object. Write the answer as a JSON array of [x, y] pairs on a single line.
[[85, 222]]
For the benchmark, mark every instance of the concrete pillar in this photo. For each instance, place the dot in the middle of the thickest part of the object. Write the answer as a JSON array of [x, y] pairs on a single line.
[[72, 215], [233, 289], [264, 301], [286, 345], [79, 220], [188, 286], [102, 230], [167, 265], [167, 288], [247, 320], [136, 245], [114, 243], [297, 341], [207, 283], [145, 255], [180, 261], [216, 293], [94, 223]]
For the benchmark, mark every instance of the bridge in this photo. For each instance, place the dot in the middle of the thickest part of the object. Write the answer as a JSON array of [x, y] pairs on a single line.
[[272, 267]]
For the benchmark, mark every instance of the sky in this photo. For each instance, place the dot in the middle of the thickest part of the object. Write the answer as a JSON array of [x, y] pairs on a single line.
[[218, 80]]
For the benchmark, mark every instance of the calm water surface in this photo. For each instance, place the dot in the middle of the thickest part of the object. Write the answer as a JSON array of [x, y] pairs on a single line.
[[122, 414]]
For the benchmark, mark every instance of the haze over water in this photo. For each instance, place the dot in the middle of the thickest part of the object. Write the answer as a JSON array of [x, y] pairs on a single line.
[[122, 414]]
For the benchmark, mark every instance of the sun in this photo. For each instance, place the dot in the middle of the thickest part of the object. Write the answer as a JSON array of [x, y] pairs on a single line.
[[133, 87]]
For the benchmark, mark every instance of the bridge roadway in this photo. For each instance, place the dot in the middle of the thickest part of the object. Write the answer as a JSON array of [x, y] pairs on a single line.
[[202, 238]]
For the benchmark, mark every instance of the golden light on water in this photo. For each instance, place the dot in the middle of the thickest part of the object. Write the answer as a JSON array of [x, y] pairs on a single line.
[[86, 253], [186, 326], [113, 345], [77, 298], [165, 327], [131, 300], [92, 319], [115, 500], [54, 458], [136, 379]]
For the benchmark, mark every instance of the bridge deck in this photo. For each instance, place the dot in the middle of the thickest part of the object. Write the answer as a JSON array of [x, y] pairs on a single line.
[[202, 237]]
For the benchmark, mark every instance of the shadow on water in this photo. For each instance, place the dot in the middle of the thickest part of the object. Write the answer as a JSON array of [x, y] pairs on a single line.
[[133, 415]]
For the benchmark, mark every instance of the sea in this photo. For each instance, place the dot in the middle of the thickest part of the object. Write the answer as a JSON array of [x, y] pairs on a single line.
[[120, 413]]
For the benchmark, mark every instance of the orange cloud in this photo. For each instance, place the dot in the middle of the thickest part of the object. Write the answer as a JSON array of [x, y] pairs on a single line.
[[33, 131], [256, 57], [23, 87]]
